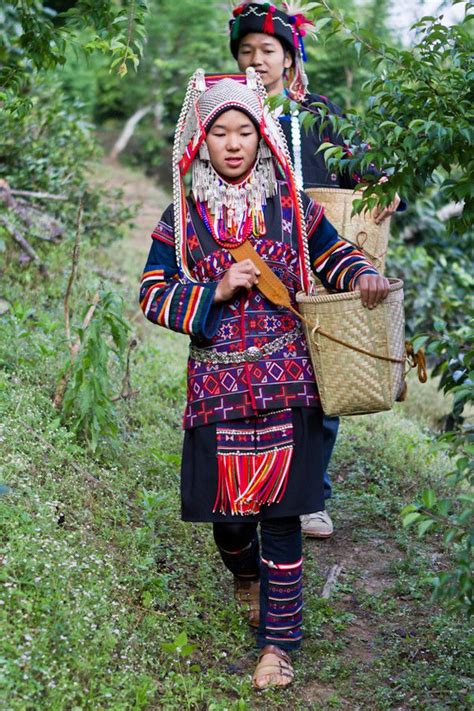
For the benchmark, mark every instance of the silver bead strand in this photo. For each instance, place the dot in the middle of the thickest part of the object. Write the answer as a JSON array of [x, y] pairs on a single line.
[[296, 143], [192, 89], [277, 126]]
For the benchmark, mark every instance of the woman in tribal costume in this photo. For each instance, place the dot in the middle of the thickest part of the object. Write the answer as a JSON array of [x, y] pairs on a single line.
[[252, 453]]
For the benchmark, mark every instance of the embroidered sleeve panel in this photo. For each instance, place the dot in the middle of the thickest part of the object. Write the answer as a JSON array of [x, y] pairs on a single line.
[[166, 300], [164, 231], [336, 262]]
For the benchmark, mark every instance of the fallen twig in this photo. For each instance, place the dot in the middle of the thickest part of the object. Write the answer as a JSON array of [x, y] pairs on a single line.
[[41, 196], [22, 241], [38, 220], [33, 218], [331, 581]]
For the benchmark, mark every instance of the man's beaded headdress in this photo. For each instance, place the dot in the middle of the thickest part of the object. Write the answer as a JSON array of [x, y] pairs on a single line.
[[289, 25], [207, 97]]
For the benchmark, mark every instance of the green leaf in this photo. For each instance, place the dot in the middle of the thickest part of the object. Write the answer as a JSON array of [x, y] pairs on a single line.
[[181, 639], [418, 342], [187, 650], [429, 498], [324, 146], [410, 518], [424, 526]]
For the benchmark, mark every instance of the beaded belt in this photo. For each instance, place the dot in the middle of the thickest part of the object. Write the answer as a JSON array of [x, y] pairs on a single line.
[[250, 355]]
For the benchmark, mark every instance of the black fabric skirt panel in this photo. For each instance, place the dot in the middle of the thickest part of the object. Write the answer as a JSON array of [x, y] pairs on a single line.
[[304, 492]]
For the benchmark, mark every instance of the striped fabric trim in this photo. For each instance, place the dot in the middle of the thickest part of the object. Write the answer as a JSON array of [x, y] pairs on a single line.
[[321, 261], [172, 304], [358, 273], [343, 265], [285, 602], [164, 233], [314, 215], [283, 566]]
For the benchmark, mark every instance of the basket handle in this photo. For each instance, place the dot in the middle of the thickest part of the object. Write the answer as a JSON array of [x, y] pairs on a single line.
[[413, 360]]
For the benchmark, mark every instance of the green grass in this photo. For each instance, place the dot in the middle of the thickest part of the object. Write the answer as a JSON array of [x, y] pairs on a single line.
[[98, 571]]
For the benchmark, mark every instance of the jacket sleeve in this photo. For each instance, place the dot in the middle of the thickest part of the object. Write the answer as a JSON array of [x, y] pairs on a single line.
[[334, 261], [167, 300]]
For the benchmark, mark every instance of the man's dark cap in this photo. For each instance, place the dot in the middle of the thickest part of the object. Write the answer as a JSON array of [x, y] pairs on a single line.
[[264, 18]]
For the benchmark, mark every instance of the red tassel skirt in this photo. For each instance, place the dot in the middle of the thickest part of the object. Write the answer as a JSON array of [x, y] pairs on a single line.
[[261, 467]]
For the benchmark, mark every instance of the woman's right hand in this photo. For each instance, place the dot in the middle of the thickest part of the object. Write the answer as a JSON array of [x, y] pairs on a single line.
[[241, 275]]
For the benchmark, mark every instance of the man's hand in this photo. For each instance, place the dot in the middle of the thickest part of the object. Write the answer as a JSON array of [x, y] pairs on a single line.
[[373, 289], [241, 275], [381, 213]]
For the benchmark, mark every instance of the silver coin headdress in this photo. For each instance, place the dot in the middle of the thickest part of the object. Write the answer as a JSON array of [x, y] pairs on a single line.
[[207, 96]]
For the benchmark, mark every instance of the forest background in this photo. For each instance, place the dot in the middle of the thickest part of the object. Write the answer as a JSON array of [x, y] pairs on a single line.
[[109, 601]]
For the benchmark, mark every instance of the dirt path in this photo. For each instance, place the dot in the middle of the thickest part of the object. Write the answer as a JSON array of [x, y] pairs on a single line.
[[138, 190]]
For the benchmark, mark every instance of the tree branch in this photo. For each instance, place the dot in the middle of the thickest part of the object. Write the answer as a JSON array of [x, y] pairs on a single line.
[[73, 274], [128, 131]]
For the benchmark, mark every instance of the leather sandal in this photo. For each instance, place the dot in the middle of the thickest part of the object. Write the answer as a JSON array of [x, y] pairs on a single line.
[[247, 596], [273, 668]]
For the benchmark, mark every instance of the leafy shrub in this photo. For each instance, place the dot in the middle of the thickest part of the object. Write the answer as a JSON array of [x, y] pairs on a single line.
[[453, 515], [88, 400], [35, 38], [422, 248]]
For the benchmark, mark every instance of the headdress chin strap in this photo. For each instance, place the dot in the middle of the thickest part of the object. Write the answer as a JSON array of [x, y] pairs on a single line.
[[189, 136]]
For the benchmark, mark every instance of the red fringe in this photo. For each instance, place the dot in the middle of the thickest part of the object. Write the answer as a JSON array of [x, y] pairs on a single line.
[[247, 482]]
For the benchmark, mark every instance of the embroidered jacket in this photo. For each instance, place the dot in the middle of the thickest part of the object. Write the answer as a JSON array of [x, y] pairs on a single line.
[[219, 392]]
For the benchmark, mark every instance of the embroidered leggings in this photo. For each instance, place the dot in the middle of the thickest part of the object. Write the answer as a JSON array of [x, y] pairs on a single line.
[[279, 568]]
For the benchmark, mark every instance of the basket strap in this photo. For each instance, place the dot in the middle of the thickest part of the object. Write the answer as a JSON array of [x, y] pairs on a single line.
[[317, 329], [417, 360], [268, 283], [414, 360]]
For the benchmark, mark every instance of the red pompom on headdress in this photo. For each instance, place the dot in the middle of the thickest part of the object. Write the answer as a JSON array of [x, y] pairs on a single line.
[[268, 26]]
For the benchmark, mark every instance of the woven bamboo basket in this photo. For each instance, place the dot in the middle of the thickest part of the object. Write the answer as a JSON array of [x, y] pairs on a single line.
[[351, 382], [361, 229]]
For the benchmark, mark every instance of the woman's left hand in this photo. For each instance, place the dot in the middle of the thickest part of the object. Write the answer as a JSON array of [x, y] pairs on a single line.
[[373, 289], [381, 213]]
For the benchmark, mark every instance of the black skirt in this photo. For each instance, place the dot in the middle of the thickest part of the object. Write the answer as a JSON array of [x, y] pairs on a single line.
[[304, 492]]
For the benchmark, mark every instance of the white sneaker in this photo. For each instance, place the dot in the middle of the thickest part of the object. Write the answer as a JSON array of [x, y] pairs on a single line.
[[317, 525]]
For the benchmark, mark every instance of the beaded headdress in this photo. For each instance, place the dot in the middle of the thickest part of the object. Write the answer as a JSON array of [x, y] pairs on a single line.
[[207, 97], [289, 25]]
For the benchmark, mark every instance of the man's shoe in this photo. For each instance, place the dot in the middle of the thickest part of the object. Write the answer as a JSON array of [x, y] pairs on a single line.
[[317, 525]]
